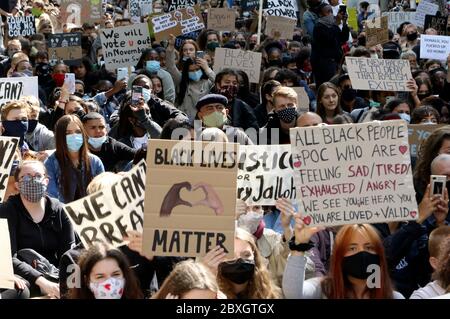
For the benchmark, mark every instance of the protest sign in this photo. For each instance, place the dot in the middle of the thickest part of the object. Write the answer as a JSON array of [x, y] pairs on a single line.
[[378, 32], [286, 8], [434, 47], [378, 74], [123, 46], [190, 197], [179, 4], [181, 38], [6, 264], [78, 12], [302, 99], [247, 61], [177, 22], [282, 25], [221, 19], [21, 26], [422, 10], [436, 22], [249, 5], [353, 173], [139, 8], [8, 147], [15, 88], [108, 214], [66, 47], [265, 174], [418, 133], [395, 19]]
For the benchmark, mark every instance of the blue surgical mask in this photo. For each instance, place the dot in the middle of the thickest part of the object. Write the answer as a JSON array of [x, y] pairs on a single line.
[[147, 94], [74, 142], [405, 116], [97, 142], [152, 66], [195, 76]]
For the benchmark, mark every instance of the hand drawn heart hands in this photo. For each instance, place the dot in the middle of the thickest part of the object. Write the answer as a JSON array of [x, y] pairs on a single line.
[[173, 199]]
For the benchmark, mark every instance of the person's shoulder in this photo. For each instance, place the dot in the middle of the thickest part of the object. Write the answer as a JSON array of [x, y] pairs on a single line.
[[55, 204], [94, 158], [397, 295], [51, 161], [6, 208]]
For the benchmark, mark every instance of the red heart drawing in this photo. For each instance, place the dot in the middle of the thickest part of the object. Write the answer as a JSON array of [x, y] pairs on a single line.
[[307, 220], [403, 149], [130, 42], [108, 286], [413, 214], [297, 164]]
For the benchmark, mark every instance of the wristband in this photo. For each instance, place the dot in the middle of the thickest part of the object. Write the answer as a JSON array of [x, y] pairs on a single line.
[[300, 247]]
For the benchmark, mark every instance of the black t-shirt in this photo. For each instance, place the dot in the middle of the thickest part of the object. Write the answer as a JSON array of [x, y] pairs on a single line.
[[112, 152]]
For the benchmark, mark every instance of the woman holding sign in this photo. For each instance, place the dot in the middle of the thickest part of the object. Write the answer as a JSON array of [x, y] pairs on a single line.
[[71, 167], [358, 267], [195, 78]]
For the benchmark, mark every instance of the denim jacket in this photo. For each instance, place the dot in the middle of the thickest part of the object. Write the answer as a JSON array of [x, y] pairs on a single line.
[[54, 173]]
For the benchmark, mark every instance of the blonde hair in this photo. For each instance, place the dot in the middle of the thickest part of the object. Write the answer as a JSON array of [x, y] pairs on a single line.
[[101, 181], [213, 134], [261, 285], [186, 276], [286, 92], [32, 103], [12, 105]]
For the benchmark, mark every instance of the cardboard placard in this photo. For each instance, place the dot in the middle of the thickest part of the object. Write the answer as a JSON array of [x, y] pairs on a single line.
[[354, 173], [179, 4], [8, 146], [181, 38], [6, 264], [247, 61], [265, 174], [221, 19], [249, 5], [286, 8], [378, 74], [139, 8], [21, 26], [434, 47], [422, 10], [78, 12], [123, 46], [177, 22], [377, 35], [282, 25], [436, 22], [395, 19], [15, 88], [418, 133], [303, 99], [66, 47], [190, 197], [108, 214]]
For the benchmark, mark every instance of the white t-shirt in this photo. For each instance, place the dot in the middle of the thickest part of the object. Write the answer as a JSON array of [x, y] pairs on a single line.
[[429, 291], [139, 141]]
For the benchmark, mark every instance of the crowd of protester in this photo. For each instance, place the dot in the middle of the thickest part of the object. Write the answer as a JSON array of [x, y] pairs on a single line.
[[71, 145]]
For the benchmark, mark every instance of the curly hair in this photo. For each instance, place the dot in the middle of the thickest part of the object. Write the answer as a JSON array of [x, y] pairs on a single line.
[[260, 286], [442, 273]]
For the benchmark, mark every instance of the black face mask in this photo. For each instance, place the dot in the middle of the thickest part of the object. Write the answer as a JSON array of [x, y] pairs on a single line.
[[412, 36], [237, 271], [251, 46], [423, 95], [275, 63], [348, 94], [362, 41], [356, 265], [32, 125]]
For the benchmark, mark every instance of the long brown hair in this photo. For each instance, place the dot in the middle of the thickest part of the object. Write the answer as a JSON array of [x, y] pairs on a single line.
[[62, 155], [180, 59], [336, 285], [261, 285], [429, 149], [320, 92], [186, 276], [96, 253]]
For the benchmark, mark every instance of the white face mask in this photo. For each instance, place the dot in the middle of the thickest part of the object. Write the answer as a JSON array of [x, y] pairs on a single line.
[[111, 288], [250, 221]]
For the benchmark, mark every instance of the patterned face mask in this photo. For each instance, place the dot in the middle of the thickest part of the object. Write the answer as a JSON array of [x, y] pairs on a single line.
[[32, 188], [111, 288], [287, 115]]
